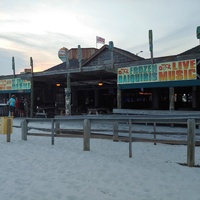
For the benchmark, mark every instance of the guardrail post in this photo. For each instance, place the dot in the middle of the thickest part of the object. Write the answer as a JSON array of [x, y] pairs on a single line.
[[57, 127], [52, 132], [86, 134], [191, 142], [24, 129], [9, 127], [115, 131], [130, 138], [154, 130]]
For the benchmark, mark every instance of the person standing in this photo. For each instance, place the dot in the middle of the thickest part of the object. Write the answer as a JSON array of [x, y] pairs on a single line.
[[26, 107], [17, 101], [11, 103], [21, 107]]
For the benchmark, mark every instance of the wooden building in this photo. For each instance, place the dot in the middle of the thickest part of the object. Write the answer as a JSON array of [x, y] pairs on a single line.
[[83, 78]]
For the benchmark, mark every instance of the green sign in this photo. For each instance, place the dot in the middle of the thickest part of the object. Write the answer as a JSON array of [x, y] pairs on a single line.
[[150, 40], [15, 84]]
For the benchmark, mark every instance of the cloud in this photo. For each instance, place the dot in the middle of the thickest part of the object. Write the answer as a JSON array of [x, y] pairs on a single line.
[[39, 29], [6, 61], [42, 48]]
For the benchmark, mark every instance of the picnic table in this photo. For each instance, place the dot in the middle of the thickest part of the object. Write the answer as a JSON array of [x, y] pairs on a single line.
[[97, 111], [47, 111]]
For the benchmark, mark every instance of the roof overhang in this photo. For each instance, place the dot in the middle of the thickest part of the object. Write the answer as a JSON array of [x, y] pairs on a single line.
[[87, 76]]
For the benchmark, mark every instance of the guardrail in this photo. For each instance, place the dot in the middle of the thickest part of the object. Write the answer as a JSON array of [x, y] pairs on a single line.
[[155, 112], [190, 121]]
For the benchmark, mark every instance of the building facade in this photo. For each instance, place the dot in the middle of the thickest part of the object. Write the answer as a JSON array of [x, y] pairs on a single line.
[[127, 81]]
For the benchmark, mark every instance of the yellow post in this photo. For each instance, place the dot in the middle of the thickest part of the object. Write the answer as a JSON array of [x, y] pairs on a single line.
[[6, 126]]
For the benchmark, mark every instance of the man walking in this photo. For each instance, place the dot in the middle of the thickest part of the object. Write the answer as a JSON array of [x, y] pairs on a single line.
[[11, 102]]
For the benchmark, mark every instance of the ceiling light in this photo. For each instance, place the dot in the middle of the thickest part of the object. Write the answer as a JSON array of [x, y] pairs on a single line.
[[100, 83]]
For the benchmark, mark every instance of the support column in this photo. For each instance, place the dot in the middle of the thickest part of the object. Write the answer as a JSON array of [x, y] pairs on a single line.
[[74, 101], [32, 88], [119, 98], [68, 89], [194, 100], [96, 98], [171, 98], [155, 98], [191, 142], [68, 96]]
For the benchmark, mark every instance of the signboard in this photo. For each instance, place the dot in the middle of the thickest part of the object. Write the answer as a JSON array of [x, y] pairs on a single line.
[[62, 54], [150, 40], [15, 84], [170, 71]]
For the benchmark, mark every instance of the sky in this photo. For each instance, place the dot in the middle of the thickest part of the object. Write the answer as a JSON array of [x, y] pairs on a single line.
[[35, 169], [38, 29]]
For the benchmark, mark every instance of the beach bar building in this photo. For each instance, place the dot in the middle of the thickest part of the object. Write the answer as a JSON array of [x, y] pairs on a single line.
[[95, 81]]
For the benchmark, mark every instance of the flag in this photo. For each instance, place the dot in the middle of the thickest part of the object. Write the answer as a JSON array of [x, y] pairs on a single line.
[[100, 40]]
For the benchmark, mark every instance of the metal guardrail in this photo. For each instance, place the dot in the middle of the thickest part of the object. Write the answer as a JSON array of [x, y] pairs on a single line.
[[190, 121], [156, 112]]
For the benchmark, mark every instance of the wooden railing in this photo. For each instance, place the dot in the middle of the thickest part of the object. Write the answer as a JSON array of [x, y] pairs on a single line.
[[87, 120]]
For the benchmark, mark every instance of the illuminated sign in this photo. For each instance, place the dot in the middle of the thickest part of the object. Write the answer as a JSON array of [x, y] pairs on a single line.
[[170, 71], [15, 84]]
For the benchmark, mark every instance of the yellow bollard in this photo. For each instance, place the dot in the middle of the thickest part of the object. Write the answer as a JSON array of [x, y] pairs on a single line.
[[6, 126]]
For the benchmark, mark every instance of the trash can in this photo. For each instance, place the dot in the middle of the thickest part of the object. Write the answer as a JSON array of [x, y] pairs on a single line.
[[6, 124]]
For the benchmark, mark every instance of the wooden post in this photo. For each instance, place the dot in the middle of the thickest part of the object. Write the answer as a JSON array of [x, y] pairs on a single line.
[[171, 99], [68, 89], [32, 88], [9, 124], [119, 98], [130, 138], [13, 66], [111, 46], [115, 131], [52, 132], [151, 45], [154, 132], [80, 57], [194, 99], [57, 125], [191, 142], [86, 134], [24, 130]]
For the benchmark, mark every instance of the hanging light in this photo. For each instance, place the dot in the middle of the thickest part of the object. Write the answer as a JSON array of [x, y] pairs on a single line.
[[57, 84], [100, 83]]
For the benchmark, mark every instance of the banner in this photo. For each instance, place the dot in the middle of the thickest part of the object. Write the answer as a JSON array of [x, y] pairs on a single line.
[[15, 84], [170, 71], [100, 40]]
